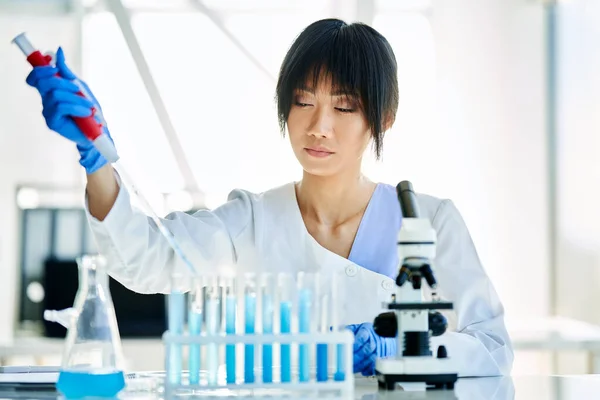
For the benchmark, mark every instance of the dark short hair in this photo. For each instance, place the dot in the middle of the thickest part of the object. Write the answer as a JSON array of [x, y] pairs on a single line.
[[358, 59]]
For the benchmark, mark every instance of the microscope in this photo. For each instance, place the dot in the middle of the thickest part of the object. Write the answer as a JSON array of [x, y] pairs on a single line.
[[410, 319]]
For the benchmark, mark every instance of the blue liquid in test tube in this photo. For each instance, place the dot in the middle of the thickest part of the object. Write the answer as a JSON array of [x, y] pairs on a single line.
[[267, 363], [250, 316], [194, 325], [322, 355], [339, 374], [304, 327], [230, 315], [212, 314], [176, 302], [322, 349], [336, 308], [285, 315]]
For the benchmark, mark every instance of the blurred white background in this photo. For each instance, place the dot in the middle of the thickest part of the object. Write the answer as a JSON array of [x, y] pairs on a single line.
[[497, 112]]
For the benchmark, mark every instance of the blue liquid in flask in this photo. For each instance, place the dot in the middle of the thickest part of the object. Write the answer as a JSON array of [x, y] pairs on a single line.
[[91, 367], [74, 385]]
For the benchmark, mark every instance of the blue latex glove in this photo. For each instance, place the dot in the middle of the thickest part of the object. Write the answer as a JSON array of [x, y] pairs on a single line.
[[60, 102], [367, 346]]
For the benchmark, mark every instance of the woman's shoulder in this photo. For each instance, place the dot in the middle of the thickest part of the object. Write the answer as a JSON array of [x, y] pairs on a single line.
[[443, 214], [278, 193], [243, 202], [245, 208]]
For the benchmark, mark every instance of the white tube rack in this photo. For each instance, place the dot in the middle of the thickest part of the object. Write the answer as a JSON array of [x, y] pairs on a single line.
[[335, 388]]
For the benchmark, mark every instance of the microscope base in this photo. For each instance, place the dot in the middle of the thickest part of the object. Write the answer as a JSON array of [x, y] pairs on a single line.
[[433, 372]]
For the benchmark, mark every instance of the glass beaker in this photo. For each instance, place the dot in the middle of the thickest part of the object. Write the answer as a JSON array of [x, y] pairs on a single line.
[[92, 359]]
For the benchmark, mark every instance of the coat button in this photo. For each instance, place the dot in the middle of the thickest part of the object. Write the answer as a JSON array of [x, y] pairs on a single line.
[[351, 270], [387, 285]]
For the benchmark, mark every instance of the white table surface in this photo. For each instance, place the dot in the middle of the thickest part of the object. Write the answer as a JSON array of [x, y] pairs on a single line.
[[557, 334], [554, 333], [502, 388], [578, 387]]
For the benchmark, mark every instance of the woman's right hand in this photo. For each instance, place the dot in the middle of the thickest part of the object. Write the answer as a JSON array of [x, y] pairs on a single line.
[[61, 103]]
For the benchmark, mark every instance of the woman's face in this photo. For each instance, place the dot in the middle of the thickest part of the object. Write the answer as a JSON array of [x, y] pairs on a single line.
[[327, 129]]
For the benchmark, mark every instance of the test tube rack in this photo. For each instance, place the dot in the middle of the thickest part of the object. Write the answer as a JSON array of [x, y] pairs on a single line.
[[234, 342], [343, 388]]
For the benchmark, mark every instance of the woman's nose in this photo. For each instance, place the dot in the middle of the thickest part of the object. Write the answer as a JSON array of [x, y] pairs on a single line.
[[322, 124]]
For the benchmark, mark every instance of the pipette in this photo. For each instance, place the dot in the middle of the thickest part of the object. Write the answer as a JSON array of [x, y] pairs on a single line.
[[94, 132], [88, 125]]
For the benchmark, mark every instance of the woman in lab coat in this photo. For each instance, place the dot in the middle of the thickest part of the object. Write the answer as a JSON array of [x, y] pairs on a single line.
[[337, 93]]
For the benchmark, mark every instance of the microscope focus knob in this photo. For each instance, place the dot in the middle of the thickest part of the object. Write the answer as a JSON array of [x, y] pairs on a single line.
[[442, 352], [386, 325], [437, 323]]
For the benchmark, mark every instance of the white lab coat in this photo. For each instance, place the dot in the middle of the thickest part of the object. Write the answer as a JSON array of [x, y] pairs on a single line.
[[266, 232]]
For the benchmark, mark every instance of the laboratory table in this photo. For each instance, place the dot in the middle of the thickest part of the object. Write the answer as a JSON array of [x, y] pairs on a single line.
[[578, 387], [557, 334], [573, 387]]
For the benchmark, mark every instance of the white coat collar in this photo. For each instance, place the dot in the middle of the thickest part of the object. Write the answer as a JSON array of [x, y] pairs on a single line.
[[363, 290]]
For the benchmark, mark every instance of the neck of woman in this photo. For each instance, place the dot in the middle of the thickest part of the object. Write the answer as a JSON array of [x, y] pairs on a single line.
[[332, 200]]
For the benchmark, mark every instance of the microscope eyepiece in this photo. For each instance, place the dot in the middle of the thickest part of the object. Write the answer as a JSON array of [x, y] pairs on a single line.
[[408, 200]]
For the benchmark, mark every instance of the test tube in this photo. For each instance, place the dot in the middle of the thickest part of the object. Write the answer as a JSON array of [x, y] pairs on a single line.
[[250, 320], [339, 374], [286, 290], [230, 323], [196, 297], [267, 292], [176, 307], [306, 295], [323, 327], [212, 327]]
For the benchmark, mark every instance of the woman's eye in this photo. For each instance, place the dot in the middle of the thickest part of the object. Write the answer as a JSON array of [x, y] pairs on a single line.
[[344, 110], [300, 104]]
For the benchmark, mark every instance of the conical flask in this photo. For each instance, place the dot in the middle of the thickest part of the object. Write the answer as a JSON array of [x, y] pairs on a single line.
[[92, 359]]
